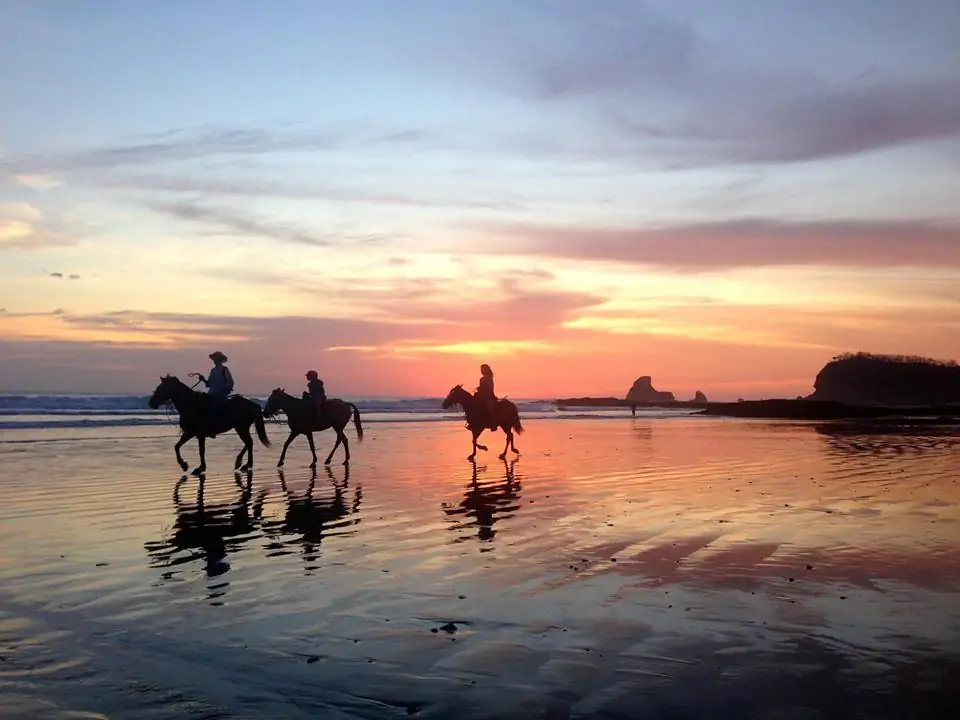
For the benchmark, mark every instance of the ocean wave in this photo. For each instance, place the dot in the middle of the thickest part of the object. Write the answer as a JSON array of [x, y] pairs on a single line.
[[39, 412], [120, 404]]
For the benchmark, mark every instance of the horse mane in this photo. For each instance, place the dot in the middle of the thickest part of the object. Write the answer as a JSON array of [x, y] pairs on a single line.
[[182, 384]]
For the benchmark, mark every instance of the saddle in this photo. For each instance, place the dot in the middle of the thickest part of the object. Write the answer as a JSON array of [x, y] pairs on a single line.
[[217, 415]]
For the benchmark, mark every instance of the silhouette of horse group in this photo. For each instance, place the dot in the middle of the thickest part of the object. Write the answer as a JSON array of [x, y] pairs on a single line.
[[201, 419]]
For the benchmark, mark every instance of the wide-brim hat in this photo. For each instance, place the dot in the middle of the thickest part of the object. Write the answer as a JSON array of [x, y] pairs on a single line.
[[218, 356]]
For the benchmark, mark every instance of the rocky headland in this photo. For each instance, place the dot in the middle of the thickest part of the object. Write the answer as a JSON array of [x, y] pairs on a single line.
[[856, 386]]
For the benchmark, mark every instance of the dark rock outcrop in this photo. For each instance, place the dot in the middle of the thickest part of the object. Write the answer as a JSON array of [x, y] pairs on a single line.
[[699, 398], [590, 402], [828, 410], [887, 380], [643, 391]]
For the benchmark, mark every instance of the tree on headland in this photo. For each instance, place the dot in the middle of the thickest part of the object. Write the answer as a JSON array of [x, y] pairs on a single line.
[[894, 359]]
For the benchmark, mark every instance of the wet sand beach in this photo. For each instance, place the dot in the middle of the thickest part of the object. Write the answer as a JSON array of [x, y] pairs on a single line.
[[670, 568]]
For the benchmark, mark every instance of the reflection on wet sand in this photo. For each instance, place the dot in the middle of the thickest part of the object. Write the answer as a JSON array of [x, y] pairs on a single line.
[[208, 531], [865, 439], [485, 501], [203, 531], [689, 568], [313, 515]]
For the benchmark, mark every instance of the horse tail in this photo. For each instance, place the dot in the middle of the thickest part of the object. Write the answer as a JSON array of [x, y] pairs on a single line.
[[261, 429], [356, 422], [517, 426]]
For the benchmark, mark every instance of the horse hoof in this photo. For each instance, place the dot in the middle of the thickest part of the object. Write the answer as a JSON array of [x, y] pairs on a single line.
[[503, 456], [312, 466], [279, 464], [346, 462], [199, 471]]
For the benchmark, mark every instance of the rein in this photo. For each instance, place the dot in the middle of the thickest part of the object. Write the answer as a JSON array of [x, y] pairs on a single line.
[[170, 407]]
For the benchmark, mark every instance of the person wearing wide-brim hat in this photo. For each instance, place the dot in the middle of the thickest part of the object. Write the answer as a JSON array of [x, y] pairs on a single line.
[[220, 382]]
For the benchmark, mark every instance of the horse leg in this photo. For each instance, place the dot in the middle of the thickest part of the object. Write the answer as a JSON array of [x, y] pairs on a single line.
[[335, 446], [503, 455], [202, 443], [313, 451], [475, 446], [513, 443], [247, 449], [176, 448], [283, 453], [342, 436]]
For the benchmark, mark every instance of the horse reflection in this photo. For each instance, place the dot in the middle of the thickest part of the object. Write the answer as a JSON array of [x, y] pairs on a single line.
[[204, 531], [312, 516], [484, 503]]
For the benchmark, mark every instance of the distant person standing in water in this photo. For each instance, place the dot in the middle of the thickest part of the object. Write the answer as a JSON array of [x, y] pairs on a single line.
[[219, 384], [316, 392], [486, 394]]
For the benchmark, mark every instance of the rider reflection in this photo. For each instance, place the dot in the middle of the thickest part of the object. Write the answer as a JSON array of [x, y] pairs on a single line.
[[485, 502]]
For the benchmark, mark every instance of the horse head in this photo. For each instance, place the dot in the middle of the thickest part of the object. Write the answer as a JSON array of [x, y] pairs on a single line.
[[456, 396], [169, 387], [274, 402]]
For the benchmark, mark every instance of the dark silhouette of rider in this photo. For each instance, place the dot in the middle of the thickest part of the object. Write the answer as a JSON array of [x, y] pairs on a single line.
[[487, 396], [219, 385], [316, 392]]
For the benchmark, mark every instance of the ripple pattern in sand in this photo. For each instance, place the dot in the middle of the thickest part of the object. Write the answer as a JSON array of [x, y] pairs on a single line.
[[613, 563]]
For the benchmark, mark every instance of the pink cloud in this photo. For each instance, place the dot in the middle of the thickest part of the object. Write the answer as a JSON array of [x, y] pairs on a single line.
[[743, 243]]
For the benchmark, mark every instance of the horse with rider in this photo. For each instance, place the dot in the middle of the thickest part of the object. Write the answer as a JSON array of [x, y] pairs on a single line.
[[485, 411]]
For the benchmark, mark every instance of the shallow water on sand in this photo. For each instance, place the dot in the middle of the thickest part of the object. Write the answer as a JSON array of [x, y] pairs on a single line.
[[618, 568]]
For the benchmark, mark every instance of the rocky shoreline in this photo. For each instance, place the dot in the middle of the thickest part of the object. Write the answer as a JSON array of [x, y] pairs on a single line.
[[854, 386], [780, 409]]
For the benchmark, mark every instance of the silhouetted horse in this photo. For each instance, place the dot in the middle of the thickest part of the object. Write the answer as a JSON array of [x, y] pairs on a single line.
[[507, 417], [196, 420], [303, 420]]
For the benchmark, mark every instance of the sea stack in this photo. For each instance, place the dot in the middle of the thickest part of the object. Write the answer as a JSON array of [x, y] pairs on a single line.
[[643, 391]]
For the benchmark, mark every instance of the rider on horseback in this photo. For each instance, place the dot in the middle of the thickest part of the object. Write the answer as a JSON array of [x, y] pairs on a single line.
[[316, 392], [219, 385], [486, 395]]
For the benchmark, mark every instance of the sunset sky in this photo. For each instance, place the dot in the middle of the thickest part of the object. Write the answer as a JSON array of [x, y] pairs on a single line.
[[722, 195]]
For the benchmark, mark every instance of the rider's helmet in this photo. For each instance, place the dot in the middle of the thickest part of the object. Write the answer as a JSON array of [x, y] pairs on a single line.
[[312, 375]]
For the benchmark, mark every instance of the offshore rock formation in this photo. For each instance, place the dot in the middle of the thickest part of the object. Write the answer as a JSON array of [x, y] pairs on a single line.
[[643, 391], [699, 398], [887, 380]]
